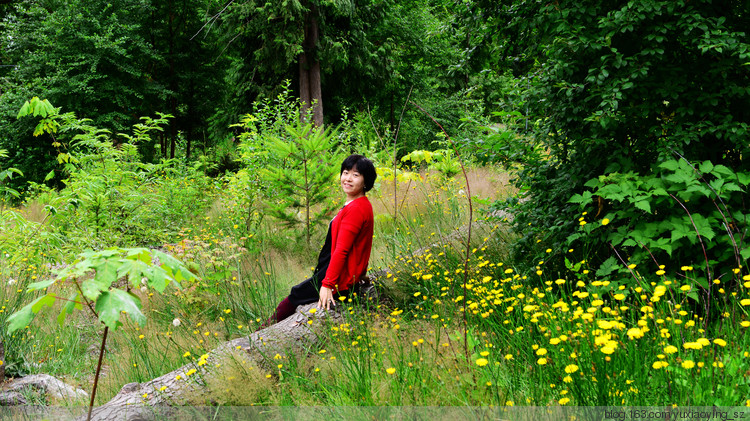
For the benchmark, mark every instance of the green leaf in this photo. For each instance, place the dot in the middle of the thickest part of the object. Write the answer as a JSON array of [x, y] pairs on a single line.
[[703, 226], [111, 304], [50, 175], [25, 315], [745, 253], [706, 167], [40, 285], [24, 111], [92, 288], [106, 272], [607, 267], [73, 303], [644, 205], [669, 165]]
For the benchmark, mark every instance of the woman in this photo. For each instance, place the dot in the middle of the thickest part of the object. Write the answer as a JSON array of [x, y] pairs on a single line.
[[343, 260]]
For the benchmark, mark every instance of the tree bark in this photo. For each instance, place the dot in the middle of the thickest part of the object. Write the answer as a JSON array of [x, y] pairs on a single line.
[[157, 398], [311, 93], [316, 92]]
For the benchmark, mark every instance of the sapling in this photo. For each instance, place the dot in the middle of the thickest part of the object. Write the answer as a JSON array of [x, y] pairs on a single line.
[[91, 282]]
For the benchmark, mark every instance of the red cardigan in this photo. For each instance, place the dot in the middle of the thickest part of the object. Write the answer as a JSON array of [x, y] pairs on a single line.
[[351, 243]]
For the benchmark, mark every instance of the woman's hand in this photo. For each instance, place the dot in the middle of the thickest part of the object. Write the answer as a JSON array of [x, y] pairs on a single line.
[[326, 298]]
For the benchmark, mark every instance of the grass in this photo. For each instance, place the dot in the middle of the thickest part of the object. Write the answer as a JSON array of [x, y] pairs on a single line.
[[530, 338]]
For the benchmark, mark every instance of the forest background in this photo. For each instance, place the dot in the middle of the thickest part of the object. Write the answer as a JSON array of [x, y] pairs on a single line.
[[603, 146]]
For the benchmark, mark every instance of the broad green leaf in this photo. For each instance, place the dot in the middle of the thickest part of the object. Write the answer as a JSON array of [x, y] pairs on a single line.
[[644, 205], [134, 270], [669, 165], [683, 229], [92, 288], [24, 111], [158, 279], [25, 315], [706, 167], [703, 226], [106, 272], [40, 285], [111, 304], [73, 303], [607, 267]]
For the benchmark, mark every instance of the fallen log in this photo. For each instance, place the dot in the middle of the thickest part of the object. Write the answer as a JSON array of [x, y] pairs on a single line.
[[158, 398], [171, 394]]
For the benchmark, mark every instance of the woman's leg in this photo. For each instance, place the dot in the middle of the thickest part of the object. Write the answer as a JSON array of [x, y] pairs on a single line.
[[303, 293]]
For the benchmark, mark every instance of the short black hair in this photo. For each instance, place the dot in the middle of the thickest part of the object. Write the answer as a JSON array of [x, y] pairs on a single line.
[[364, 166]]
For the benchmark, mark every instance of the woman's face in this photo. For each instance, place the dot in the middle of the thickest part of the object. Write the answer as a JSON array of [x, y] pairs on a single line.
[[352, 183]]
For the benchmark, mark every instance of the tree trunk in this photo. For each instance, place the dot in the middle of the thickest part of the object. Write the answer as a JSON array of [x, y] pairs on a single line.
[[311, 94], [158, 397], [304, 84], [316, 92]]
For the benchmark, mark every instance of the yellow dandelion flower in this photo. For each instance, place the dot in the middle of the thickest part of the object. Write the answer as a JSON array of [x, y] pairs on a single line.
[[567, 379], [185, 355], [635, 333], [670, 349], [745, 302], [720, 342], [541, 351], [608, 349], [687, 364], [541, 361], [508, 357], [659, 364], [703, 341], [692, 345], [571, 368], [390, 370], [482, 362], [605, 221], [563, 401]]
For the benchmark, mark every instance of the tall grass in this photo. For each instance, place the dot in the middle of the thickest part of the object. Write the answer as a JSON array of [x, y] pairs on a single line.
[[533, 338]]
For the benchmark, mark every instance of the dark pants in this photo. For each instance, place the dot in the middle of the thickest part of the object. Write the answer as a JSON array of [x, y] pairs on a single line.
[[305, 292]]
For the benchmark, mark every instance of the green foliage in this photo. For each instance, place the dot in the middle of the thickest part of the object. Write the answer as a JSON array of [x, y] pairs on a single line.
[[6, 175], [294, 162], [152, 267], [443, 160], [621, 87], [300, 173], [679, 216], [111, 198]]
